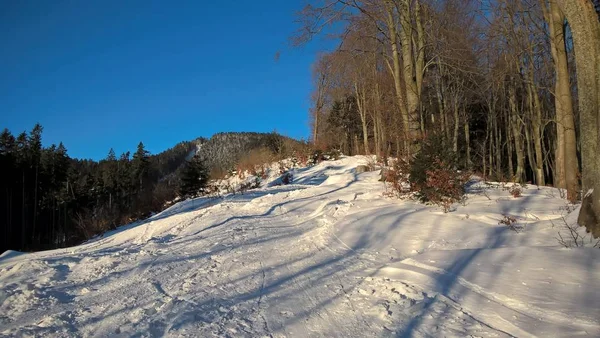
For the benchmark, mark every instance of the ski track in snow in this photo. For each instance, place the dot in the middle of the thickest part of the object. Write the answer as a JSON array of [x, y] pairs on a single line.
[[325, 256]]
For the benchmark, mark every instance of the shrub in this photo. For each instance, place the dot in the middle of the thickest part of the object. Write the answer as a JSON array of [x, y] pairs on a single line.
[[433, 175], [254, 162], [443, 185], [317, 156], [218, 173], [511, 223], [249, 185], [398, 176], [574, 239], [515, 191]]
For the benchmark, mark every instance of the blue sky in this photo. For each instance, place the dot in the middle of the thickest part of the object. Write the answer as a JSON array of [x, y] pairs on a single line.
[[102, 74]]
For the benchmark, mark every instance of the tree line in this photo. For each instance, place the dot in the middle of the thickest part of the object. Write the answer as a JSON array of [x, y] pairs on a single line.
[[49, 200], [512, 86]]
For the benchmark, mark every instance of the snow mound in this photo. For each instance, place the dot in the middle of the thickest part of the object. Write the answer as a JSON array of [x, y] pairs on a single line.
[[326, 255]]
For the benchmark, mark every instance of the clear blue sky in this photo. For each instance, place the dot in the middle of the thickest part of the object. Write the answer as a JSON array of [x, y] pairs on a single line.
[[102, 74]]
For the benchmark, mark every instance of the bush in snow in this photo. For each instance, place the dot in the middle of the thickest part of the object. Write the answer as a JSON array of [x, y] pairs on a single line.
[[332, 154], [254, 162], [570, 237], [253, 184], [511, 223], [515, 191], [431, 174]]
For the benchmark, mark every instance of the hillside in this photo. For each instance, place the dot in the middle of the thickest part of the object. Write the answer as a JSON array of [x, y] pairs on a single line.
[[223, 150], [327, 255], [50, 200]]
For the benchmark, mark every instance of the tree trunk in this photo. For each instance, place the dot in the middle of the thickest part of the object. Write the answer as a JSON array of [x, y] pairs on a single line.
[[497, 143], [490, 151], [440, 103], [515, 123], [396, 74], [456, 126], [536, 124], [490, 146], [537, 139], [585, 27], [509, 148], [468, 144], [566, 147], [409, 70], [528, 148]]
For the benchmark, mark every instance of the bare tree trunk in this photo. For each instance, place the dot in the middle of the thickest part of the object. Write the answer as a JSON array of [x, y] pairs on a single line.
[[376, 118], [396, 73], [440, 103], [535, 112], [468, 144], [456, 125], [361, 102], [509, 145], [585, 27], [537, 139], [566, 147], [559, 155], [515, 123], [376, 136], [420, 53], [490, 158], [498, 143], [528, 142], [381, 132], [409, 71]]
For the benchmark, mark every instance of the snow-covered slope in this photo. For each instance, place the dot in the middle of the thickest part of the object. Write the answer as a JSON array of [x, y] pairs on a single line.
[[327, 255]]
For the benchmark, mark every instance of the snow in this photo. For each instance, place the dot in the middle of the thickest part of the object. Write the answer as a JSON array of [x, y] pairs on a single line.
[[328, 255]]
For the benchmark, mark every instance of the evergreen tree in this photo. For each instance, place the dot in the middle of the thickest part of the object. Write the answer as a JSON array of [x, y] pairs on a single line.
[[109, 176], [48, 200], [140, 165], [193, 178], [124, 185]]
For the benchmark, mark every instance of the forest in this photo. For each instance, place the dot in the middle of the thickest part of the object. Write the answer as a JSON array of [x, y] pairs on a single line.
[[511, 86], [50, 200]]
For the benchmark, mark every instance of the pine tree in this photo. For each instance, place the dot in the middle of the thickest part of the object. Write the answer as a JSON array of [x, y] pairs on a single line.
[[109, 176], [140, 165], [8, 165], [193, 178], [124, 180]]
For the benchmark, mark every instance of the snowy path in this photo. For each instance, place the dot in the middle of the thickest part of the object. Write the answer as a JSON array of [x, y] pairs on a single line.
[[326, 256]]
